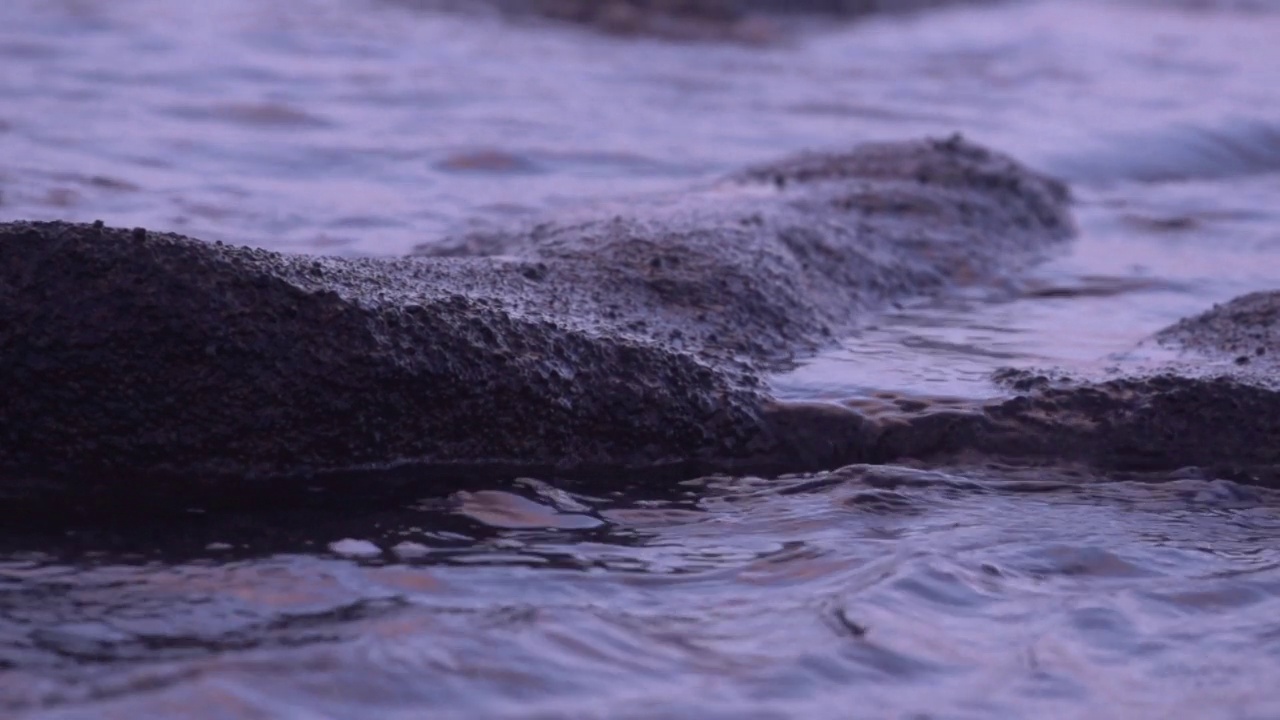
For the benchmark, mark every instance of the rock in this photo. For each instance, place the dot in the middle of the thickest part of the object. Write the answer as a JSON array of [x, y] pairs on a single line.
[[155, 367], [750, 21], [1205, 409], [1245, 332], [782, 257], [164, 356]]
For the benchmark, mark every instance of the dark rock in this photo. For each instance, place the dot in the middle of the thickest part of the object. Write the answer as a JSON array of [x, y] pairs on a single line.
[[150, 365], [752, 269], [1157, 422], [1201, 410], [752, 21], [1248, 327]]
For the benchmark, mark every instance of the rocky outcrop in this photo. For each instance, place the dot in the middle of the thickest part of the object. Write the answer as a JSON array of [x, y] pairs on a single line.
[[779, 258], [624, 338], [155, 366], [1244, 332], [1216, 407]]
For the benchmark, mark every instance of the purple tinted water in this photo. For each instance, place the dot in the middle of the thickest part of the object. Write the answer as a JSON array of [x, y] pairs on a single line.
[[365, 127]]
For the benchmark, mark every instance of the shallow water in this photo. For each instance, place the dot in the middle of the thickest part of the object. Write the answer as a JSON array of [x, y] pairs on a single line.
[[1146, 257], [365, 127], [873, 592]]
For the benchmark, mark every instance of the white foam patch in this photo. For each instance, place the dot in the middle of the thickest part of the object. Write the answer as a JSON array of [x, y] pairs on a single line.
[[411, 550], [349, 547]]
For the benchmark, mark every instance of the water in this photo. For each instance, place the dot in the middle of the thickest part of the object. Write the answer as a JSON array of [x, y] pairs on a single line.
[[871, 593], [364, 127]]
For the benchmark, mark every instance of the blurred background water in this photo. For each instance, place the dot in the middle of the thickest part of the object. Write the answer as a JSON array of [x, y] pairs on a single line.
[[365, 127]]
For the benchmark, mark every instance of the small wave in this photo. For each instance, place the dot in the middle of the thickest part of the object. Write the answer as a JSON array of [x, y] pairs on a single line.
[[1184, 152]]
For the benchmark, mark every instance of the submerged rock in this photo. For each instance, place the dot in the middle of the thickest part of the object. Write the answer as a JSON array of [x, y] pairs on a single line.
[[156, 366], [752, 21]]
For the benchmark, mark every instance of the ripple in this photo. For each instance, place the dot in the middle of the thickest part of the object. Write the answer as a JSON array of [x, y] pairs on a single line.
[[509, 511], [749, 596], [1231, 148]]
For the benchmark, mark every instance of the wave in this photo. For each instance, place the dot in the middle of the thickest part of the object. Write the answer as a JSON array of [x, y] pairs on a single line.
[[1184, 152]]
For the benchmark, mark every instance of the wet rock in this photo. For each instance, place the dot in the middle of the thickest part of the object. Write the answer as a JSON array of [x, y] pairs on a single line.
[[1244, 331], [1158, 422], [779, 259], [751, 21], [139, 355], [1205, 409], [149, 365]]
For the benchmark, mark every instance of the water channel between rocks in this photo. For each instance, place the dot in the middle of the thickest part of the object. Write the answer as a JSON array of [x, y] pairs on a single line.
[[366, 127]]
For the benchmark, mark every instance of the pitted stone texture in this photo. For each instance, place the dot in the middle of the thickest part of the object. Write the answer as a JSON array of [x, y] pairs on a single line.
[[781, 258], [130, 352], [625, 342], [1244, 332]]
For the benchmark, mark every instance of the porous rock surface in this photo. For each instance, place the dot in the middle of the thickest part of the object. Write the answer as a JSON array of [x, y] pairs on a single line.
[[142, 363], [1244, 331]]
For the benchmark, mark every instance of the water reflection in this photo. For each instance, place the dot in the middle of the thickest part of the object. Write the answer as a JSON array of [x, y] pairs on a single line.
[[747, 596]]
